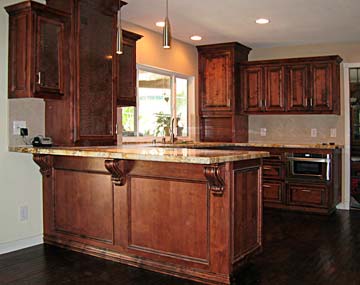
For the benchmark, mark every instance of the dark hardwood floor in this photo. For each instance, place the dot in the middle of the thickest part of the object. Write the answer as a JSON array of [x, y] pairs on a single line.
[[298, 249]]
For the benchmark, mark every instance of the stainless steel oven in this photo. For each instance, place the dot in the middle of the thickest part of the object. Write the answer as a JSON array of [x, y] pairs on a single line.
[[309, 166]]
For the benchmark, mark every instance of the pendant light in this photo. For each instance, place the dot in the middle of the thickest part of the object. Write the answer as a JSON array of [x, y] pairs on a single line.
[[166, 29], [119, 35]]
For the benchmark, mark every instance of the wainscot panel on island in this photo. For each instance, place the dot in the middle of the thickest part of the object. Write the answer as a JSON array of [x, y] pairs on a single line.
[[191, 213]]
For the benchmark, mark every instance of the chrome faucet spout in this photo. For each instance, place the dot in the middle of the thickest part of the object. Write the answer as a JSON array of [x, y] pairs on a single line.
[[172, 133]]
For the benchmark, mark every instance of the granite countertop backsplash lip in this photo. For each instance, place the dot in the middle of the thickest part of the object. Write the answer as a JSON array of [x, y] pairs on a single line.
[[251, 144], [147, 152]]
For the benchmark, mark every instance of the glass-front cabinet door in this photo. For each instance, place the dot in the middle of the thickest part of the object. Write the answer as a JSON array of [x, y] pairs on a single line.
[[49, 63]]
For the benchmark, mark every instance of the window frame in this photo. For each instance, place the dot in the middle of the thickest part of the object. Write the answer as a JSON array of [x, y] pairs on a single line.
[[173, 75]]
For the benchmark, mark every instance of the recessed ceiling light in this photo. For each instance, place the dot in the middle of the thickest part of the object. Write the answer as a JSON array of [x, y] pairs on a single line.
[[196, 38], [262, 21], [160, 24]]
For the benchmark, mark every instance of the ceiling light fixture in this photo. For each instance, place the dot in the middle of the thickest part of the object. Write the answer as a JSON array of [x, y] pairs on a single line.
[[166, 29], [160, 24], [262, 21], [196, 38], [119, 36]]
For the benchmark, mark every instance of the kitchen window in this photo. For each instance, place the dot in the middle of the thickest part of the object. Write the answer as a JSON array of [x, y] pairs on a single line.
[[161, 97]]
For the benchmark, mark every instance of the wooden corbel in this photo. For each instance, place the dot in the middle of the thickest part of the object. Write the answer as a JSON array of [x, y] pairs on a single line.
[[117, 169], [214, 180], [45, 162]]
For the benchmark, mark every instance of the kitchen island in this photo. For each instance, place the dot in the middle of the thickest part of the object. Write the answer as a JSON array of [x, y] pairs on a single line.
[[191, 213]]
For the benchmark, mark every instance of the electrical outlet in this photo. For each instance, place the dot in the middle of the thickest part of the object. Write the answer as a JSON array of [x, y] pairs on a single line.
[[333, 132], [313, 133], [17, 125], [263, 132], [24, 213]]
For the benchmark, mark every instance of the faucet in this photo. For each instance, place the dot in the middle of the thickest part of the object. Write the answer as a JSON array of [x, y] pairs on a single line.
[[172, 134]]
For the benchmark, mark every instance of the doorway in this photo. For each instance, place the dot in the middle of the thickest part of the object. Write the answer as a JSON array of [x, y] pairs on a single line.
[[354, 100]]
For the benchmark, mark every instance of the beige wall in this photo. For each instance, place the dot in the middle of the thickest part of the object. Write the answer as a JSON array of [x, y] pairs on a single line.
[[20, 181], [180, 58], [296, 128]]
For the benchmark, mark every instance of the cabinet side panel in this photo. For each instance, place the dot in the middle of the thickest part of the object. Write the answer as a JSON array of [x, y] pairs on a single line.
[[247, 211], [18, 56], [95, 93]]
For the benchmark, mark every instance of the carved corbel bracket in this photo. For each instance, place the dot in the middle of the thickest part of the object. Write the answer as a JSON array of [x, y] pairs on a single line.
[[117, 169], [214, 180], [45, 162]]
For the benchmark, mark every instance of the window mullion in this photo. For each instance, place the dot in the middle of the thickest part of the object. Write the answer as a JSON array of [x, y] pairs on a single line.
[[173, 105]]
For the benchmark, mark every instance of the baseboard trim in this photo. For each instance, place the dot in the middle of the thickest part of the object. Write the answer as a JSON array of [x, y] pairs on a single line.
[[20, 244], [343, 206]]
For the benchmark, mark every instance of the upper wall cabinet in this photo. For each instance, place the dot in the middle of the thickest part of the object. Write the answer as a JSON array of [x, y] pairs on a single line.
[[215, 70], [126, 95], [38, 50], [219, 92], [292, 86]]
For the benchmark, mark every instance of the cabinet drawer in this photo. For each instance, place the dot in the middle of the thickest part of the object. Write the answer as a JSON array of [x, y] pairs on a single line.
[[273, 171], [272, 192], [307, 195]]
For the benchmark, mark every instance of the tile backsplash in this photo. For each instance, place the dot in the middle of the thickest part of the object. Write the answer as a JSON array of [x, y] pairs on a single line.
[[296, 128], [30, 110]]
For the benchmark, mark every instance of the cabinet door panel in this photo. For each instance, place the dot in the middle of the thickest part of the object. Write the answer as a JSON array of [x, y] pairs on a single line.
[[274, 88], [216, 84], [307, 195], [273, 171], [49, 66], [272, 191], [297, 94], [252, 89], [321, 81]]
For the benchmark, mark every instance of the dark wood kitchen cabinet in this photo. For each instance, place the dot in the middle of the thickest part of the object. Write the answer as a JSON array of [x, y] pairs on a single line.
[[322, 86], [263, 88], [281, 190], [38, 50], [100, 78], [297, 87], [219, 92], [274, 88], [253, 88], [292, 86], [126, 73]]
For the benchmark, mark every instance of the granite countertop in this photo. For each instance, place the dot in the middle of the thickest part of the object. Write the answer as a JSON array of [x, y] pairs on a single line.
[[204, 145], [148, 153]]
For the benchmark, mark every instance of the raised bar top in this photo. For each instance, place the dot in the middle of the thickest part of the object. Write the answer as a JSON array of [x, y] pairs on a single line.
[[147, 153]]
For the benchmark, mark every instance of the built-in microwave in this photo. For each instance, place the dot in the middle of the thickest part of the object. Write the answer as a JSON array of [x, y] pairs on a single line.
[[309, 166]]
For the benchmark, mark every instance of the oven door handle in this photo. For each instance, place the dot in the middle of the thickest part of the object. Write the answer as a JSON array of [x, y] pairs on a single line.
[[321, 160]]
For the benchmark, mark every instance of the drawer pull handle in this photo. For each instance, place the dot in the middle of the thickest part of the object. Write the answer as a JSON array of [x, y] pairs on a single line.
[[304, 190], [267, 168], [266, 186]]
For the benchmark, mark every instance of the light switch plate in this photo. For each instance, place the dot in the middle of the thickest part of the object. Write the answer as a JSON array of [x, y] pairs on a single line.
[[263, 132], [333, 132], [313, 133], [17, 125]]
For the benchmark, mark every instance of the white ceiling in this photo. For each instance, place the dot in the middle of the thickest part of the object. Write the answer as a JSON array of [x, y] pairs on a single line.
[[293, 22]]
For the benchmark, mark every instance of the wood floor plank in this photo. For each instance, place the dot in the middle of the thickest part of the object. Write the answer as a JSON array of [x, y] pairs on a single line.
[[298, 249]]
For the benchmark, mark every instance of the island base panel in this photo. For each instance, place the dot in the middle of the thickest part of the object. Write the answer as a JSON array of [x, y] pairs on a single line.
[[199, 222]]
